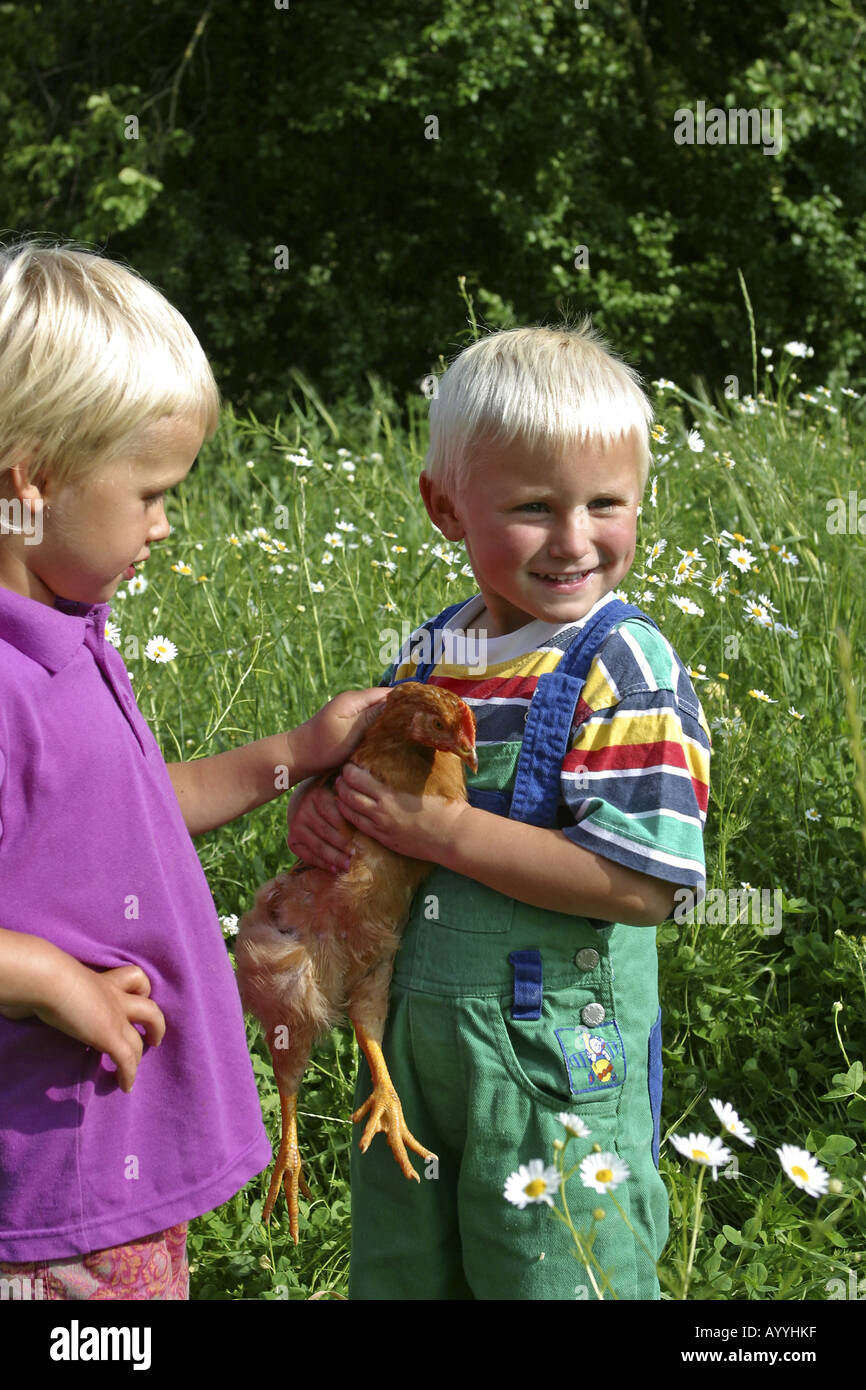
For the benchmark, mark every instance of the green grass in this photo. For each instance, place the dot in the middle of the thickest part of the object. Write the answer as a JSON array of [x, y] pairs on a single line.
[[772, 1023]]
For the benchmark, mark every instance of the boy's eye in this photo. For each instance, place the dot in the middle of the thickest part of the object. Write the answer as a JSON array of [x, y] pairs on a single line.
[[603, 503], [152, 501], [531, 506]]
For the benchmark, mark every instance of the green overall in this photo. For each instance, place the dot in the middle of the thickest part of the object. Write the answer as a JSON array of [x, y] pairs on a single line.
[[503, 1016]]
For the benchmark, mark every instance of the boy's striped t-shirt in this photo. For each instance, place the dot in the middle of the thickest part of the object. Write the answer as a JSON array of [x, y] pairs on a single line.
[[634, 784]]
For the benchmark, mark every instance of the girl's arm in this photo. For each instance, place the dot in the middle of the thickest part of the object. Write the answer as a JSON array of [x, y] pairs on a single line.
[[215, 790], [97, 1008]]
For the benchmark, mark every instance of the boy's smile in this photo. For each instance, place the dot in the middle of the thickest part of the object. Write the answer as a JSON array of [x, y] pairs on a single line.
[[549, 531]]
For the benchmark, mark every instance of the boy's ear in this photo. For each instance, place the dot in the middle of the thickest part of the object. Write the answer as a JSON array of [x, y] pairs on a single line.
[[440, 508]]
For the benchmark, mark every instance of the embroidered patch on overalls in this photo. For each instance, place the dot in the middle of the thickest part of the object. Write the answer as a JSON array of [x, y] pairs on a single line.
[[594, 1057]]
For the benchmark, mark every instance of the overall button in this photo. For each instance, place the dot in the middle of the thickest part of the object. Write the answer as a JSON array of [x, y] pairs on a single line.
[[592, 1015], [587, 959]]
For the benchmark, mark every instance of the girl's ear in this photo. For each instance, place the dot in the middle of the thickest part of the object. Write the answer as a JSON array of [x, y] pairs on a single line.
[[440, 508]]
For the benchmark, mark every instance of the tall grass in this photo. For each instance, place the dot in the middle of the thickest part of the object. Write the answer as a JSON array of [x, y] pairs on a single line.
[[296, 544]]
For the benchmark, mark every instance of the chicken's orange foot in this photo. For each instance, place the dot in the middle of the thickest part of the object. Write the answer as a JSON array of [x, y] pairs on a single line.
[[287, 1167], [386, 1111]]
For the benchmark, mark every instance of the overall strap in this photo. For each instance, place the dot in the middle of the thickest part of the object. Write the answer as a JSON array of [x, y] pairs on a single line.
[[425, 668], [550, 717]]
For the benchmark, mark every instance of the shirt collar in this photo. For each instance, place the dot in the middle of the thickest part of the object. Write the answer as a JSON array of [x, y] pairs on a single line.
[[50, 636]]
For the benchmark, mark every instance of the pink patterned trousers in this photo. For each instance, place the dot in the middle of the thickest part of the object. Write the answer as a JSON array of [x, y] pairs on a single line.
[[154, 1267]]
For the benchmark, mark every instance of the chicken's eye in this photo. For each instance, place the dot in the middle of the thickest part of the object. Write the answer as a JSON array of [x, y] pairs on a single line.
[[437, 724]]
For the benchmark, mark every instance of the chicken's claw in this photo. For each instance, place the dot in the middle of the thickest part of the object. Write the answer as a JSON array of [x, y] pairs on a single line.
[[288, 1169], [386, 1118]]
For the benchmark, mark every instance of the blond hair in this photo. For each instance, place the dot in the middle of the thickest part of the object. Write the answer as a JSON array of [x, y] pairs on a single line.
[[544, 386], [90, 354]]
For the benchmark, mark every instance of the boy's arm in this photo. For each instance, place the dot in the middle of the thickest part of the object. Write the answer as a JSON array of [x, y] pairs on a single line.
[[212, 791], [536, 866]]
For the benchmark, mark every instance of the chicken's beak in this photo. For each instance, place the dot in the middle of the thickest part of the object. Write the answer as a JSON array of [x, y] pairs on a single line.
[[465, 746]]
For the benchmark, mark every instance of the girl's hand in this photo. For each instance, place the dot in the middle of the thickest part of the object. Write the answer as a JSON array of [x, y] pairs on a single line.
[[333, 734], [99, 1008], [420, 826], [318, 834]]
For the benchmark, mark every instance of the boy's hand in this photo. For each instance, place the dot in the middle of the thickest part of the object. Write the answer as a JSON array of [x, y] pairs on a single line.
[[98, 1008], [333, 734], [420, 826], [318, 834]]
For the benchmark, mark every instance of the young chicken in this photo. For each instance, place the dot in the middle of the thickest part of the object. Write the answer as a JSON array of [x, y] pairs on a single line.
[[317, 946]]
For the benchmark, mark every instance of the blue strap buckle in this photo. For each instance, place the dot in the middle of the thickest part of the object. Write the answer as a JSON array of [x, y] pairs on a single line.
[[528, 981]]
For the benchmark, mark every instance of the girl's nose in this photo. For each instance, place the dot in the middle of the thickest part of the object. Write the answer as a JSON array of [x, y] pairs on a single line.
[[160, 529]]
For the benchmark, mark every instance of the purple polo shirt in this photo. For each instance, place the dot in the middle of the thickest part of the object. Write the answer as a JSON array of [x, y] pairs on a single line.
[[95, 857]]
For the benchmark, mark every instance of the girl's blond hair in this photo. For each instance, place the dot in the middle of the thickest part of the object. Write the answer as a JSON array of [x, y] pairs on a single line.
[[544, 386], [90, 354]]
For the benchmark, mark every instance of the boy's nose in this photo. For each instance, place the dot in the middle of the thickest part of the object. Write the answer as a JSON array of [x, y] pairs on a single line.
[[571, 536]]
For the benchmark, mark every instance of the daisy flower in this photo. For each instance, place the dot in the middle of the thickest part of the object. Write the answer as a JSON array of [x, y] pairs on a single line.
[[796, 713], [757, 613], [685, 605], [137, 585], [574, 1124], [695, 443], [803, 1170], [788, 557], [603, 1172], [229, 924], [730, 1120], [317, 587], [181, 569], [655, 550], [112, 634], [533, 1182], [811, 813], [700, 1148], [718, 586], [160, 649], [742, 558], [799, 350], [760, 695]]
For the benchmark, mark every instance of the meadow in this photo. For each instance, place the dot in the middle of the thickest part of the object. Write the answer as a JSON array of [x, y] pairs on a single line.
[[298, 544]]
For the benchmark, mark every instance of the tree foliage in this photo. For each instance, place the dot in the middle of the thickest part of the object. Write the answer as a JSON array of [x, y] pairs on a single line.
[[194, 138]]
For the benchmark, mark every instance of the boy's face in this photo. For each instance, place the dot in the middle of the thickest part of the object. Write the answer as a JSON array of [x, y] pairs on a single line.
[[548, 533], [95, 529]]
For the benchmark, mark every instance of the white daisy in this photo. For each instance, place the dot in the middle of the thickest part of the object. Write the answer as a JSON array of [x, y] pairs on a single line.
[[700, 1148], [742, 558], [799, 350], [685, 605], [803, 1170], [730, 1120], [112, 634], [603, 1172], [533, 1182], [137, 585], [160, 649], [574, 1124], [695, 443]]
